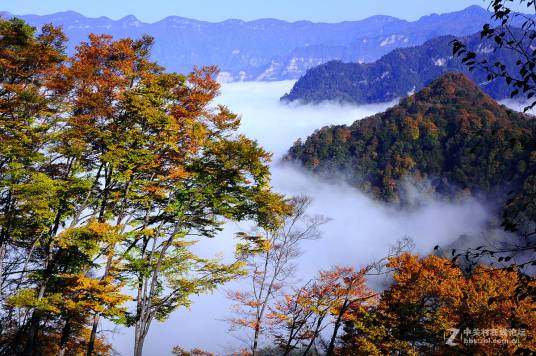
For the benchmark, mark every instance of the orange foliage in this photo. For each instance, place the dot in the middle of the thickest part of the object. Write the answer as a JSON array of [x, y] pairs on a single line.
[[430, 297], [179, 351]]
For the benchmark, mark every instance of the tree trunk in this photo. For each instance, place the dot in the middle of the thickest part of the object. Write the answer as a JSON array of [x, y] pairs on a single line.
[[33, 334], [96, 318], [93, 336], [4, 237], [311, 343], [140, 334], [331, 346], [309, 346], [2, 256], [65, 334], [138, 345], [255, 340], [288, 347], [145, 313], [336, 327]]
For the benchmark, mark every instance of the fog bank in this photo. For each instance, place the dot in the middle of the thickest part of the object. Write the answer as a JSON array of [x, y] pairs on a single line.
[[361, 230]]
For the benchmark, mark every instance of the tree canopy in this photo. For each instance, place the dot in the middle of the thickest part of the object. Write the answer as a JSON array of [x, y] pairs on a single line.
[[111, 169]]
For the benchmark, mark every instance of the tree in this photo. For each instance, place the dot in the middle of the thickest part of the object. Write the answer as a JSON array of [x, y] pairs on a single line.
[[351, 292], [515, 33], [290, 320], [431, 296], [269, 255], [299, 319], [210, 177], [27, 105], [118, 169]]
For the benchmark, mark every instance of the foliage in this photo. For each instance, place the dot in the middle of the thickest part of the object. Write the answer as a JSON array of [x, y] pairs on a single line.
[[450, 139], [299, 318], [508, 41], [111, 170], [430, 297]]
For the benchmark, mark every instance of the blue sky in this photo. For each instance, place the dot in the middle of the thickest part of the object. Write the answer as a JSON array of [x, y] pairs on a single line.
[[217, 10]]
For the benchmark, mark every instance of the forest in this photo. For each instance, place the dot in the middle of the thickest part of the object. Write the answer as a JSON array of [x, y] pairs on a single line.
[[451, 139], [113, 169], [402, 71]]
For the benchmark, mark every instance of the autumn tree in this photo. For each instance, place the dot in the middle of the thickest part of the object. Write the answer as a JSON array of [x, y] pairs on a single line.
[[290, 320], [27, 107], [31, 104], [431, 296], [299, 319], [270, 256], [119, 168]]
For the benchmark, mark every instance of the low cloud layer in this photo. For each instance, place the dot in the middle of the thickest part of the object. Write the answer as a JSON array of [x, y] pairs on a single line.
[[361, 230]]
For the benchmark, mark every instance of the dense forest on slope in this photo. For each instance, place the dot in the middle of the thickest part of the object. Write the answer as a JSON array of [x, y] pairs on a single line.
[[450, 135], [397, 74]]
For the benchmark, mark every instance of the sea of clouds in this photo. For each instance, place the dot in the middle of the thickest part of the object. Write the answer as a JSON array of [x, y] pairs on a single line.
[[360, 231]]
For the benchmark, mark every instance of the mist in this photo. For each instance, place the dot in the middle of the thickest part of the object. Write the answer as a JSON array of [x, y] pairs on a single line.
[[360, 231]]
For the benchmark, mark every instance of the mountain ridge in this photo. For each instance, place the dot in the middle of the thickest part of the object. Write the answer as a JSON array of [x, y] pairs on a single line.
[[397, 73], [472, 9], [267, 49]]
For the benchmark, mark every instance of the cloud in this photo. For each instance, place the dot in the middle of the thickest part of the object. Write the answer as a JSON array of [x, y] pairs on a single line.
[[361, 229], [275, 125], [518, 105]]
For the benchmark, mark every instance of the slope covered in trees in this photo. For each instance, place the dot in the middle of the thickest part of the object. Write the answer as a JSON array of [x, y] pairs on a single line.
[[450, 137], [398, 73]]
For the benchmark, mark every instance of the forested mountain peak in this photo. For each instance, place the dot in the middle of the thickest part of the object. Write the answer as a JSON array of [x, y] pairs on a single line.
[[450, 138], [456, 91], [449, 85]]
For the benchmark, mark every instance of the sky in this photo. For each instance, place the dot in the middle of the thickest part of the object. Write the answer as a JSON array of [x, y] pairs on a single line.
[[219, 10]]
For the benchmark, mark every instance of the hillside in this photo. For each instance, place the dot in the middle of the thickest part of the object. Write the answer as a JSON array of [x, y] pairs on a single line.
[[450, 138], [268, 49], [396, 74]]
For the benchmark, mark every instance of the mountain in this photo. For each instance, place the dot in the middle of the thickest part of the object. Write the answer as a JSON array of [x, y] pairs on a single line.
[[398, 73], [268, 49], [449, 139]]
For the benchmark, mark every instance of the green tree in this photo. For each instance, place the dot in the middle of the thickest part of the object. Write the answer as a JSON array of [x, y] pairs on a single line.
[[124, 168]]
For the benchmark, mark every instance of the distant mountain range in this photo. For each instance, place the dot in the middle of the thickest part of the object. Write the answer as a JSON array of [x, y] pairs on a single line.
[[268, 49], [450, 139], [398, 73]]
